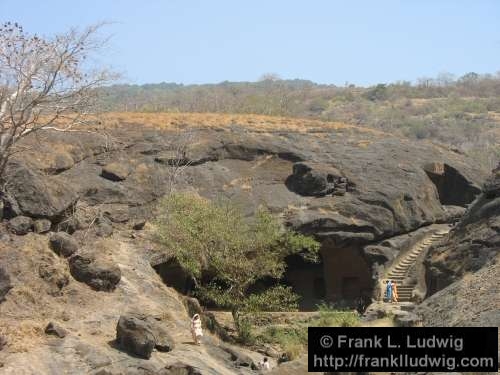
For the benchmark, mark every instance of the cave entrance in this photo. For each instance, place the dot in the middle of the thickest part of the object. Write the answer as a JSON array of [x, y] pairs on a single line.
[[347, 274], [307, 280], [174, 276], [453, 188]]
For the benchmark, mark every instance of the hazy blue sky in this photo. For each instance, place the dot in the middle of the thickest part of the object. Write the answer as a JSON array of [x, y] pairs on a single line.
[[362, 42]]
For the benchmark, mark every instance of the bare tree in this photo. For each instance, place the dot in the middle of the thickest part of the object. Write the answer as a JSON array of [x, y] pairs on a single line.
[[45, 83], [179, 145]]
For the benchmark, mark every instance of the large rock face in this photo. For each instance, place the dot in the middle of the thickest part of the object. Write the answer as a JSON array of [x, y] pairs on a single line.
[[473, 243], [473, 300], [350, 187], [463, 271], [354, 185]]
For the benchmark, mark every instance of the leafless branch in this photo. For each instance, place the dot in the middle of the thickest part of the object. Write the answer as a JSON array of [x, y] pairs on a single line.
[[45, 83]]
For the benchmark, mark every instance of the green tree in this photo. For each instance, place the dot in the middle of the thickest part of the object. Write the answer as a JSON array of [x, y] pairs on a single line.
[[214, 241]]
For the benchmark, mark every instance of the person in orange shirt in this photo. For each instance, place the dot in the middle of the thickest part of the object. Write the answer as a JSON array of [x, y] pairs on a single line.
[[395, 296]]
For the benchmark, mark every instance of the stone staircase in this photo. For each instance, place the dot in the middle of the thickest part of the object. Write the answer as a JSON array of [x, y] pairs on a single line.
[[400, 271]]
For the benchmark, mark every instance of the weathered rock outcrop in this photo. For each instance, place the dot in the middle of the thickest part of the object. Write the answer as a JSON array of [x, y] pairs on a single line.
[[349, 186], [473, 300], [463, 272], [473, 243]]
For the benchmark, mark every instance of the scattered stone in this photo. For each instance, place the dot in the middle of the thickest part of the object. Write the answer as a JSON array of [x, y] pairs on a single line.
[[115, 171], [96, 271], [63, 244], [56, 330], [42, 226], [20, 225], [139, 225], [139, 334]]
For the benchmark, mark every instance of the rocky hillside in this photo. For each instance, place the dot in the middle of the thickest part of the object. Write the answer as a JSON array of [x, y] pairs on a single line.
[[75, 247], [463, 271]]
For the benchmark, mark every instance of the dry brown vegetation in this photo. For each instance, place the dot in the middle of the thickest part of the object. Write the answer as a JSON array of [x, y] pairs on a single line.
[[163, 120]]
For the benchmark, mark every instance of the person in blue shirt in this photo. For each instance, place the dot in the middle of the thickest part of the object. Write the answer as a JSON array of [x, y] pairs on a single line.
[[388, 290]]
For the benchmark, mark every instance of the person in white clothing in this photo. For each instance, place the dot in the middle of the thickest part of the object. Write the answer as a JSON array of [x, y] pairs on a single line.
[[196, 329], [264, 364]]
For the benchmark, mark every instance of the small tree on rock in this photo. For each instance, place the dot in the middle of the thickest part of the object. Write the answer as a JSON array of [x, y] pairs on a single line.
[[226, 253]]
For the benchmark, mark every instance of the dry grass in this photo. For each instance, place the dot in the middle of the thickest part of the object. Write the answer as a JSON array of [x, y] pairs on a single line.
[[22, 336], [176, 121]]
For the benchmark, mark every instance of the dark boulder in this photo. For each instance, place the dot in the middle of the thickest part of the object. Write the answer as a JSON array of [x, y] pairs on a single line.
[[63, 244], [139, 334], [55, 330], [37, 195], [42, 226], [115, 171], [308, 181], [95, 270], [20, 225]]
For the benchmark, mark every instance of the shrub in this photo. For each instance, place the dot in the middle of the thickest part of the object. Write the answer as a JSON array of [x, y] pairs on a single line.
[[226, 253]]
